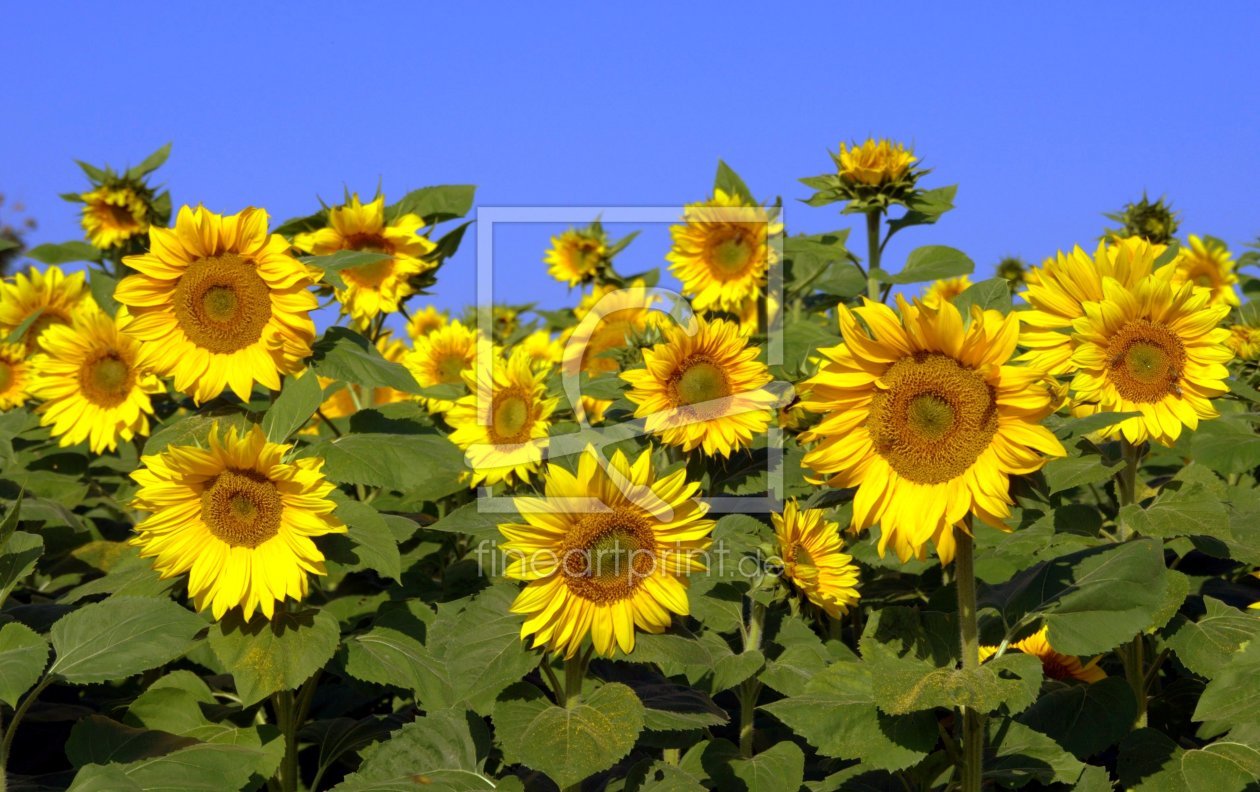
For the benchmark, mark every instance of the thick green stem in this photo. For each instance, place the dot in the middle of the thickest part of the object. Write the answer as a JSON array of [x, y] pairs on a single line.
[[872, 256], [9, 733], [286, 719], [574, 670], [969, 635], [751, 688], [1132, 656]]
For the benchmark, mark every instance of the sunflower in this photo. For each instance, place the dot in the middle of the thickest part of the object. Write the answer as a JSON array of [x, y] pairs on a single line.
[[1156, 349], [502, 425], [1244, 341], [926, 420], [113, 215], [874, 162], [723, 251], [14, 376], [425, 321], [542, 348], [237, 517], [607, 318], [1054, 664], [1059, 289], [1207, 263], [577, 256], [605, 552], [441, 358], [91, 383], [594, 410], [379, 287], [811, 552], [217, 303], [352, 398], [52, 297], [947, 289], [704, 389]]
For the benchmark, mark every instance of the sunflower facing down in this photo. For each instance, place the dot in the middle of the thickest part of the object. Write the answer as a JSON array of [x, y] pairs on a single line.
[[1054, 664], [813, 558], [113, 215], [704, 390], [381, 286], [91, 383], [219, 303], [606, 552], [723, 251], [56, 297], [441, 357], [14, 376], [1156, 349], [577, 256], [1207, 263], [926, 420], [237, 518], [502, 425]]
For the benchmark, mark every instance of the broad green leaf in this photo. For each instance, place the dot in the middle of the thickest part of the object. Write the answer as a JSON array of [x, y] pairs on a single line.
[[1206, 645], [268, 656], [1022, 756], [1151, 762], [120, 637], [339, 736], [18, 558], [384, 656], [819, 262], [150, 163], [64, 253], [100, 740], [437, 751], [925, 207], [23, 655], [776, 769], [993, 294], [9, 524], [1233, 697], [298, 400], [930, 263], [423, 466], [193, 430], [102, 286], [481, 526], [1079, 427], [729, 182], [204, 766], [332, 264], [367, 544], [570, 743], [1229, 445], [436, 204], [1064, 473], [672, 707], [1182, 508], [1084, 719], [345, 355]]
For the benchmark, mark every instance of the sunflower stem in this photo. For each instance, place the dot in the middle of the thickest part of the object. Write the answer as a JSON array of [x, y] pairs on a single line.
[[18, 714], [1132, 656], [574, 671], [750, 689], [972, 770], [286, 719], [874, 249]]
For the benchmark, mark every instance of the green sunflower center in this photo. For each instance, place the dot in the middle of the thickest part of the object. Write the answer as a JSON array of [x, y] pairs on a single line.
[[107, 380], [701, 381], [929, 415], [607, 555], [450, 369], [1145, 361], [370, 275], [242, 508], [222, 304], [731, 256], [510, 418], [219, 303]]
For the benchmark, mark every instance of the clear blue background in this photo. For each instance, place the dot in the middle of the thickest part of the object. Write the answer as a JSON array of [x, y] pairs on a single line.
[[1046, 115]]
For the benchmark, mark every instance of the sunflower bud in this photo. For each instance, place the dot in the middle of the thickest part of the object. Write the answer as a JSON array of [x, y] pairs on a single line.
[[870, 175], [1013, 269], [1155, 222]]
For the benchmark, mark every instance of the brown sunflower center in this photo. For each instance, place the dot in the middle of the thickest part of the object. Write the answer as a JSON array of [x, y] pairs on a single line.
[[700, 380], [584, 256], [107, 380], [116, 217], [933, 418], [242, 507], [222, 304], [733, 251], [1145, 361], [607, 555], [510, 418]]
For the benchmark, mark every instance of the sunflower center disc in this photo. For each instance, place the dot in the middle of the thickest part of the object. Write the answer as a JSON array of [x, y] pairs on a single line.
[[701, 381], [242, 507], [450, 370], [930, 415], [222, 304], [732, 255], [607, 554], [118, 217], [1146, 359], [106, 381], [511, 418]]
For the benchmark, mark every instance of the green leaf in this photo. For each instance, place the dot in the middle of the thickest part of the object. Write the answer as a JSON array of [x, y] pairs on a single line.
[[265, 657], [779, 768], [673, 707], [425, 466], [1207, 645], [64, 253], [1064, 473], [298, 400], [120, 637], [819, 262], [1079, 427], [1182, 508], [436, 204], [1084, 719], [23, 655], [729, 182], [345, 355], [1022, 755], [204, 766], [1228, 445], [17, 559], [150, 163], [102, 286], [437, 752], [481, 526], [194, 430], [930, 263], [925, 207], [12, 244], [993, 294], [100, 740], [1233, 697], [368, 542], [387, 657], [10, 521], [571, 743], [1151, 762]]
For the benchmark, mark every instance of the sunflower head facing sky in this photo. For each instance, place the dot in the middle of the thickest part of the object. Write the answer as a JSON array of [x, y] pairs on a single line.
[[814, 560], [14, 376], [218, 303], [1206, 262], [442, 357], [237, 518], [925, 418], [874, 163], [91, 383], [1055, 665], [578, 255], [49, 295], [381, 286], [703, 387], [607, 552]]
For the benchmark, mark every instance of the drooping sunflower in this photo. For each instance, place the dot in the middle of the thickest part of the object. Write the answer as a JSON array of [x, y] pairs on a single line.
[[1156, 349], [425, 321], [577, 256], [926, 420], [1055, 665], [1207, 263], [14, 376], [814, 559], [441, 358], [381, 286], [1059, 289], [219, 303], [352, 398], [113, 215], [91, 383], [502, 425], [703, 387], [56, 297], [722, 252], [947, 289], [606, 552], [237, 518]]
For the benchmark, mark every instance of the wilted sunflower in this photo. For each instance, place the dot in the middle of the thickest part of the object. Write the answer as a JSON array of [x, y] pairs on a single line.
[[1207, 263], [441, 357], [947, 289], [813, 558], [874, 162], [350, 399], [502, 425], [926, 420], [1054, 664], [237, 517], [14, 376], [381, 286], [1059, 289], [56, 297], [113, 214], [425, 321], [1156, 349], [218, 302], [723, 251], [91, 384], [606, 552], [704, 389], [577, 256]]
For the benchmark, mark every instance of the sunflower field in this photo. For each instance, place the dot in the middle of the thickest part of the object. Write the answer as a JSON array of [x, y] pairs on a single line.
[[815, 519]]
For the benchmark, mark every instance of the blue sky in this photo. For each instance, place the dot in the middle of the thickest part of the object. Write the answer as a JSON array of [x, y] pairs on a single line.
[[1046, 115]]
